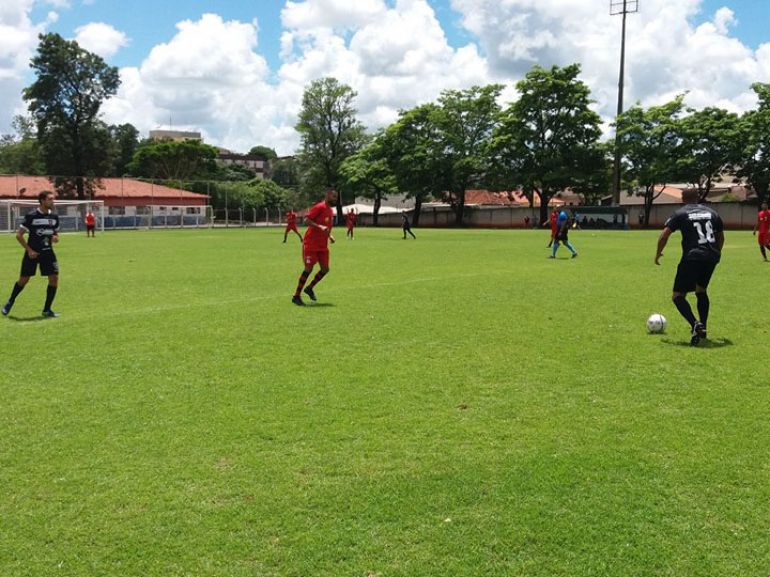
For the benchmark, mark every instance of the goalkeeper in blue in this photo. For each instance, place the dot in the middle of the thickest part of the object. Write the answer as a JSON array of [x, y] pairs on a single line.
[[562, 235]]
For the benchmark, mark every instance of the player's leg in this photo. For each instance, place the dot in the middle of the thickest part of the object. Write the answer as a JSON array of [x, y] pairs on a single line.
[[571, 248], [50, 268], [285, 234], [409, 230], [308, 257], [555, 248], [28, 269], [323, 261]]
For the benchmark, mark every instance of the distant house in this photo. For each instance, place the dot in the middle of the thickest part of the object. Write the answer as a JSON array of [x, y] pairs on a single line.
[[175, 135], [121, 196], [257, 163]]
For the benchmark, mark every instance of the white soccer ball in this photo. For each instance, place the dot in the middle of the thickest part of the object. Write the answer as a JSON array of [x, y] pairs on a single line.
[[656, 323]]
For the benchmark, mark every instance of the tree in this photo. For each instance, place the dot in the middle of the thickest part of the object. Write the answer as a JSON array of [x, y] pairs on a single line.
[[465, 120], [413, 148], [711, 146], [125, 140], [367, 173], [649, 142], [173, 160], [329, 133], [20, 152], [595, 178], [755, 154], [265, 151], [65, 100], [544, 138]]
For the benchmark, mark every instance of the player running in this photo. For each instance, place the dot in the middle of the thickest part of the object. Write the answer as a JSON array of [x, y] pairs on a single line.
[[291, 225], [315, 247], [42, 225], [350, 220], [562, 235], [763, 224], [702, 241]]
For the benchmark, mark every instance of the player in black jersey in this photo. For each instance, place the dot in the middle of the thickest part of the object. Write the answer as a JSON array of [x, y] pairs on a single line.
[[702, 241], [42, 225]]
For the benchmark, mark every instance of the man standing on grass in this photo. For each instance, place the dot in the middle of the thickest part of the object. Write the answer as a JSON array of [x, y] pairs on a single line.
[[315, 247], [42, 225], [406, 226], [350, 220], [90, 223], [562, 235], [702, 241], [763, 224], [291, 225]]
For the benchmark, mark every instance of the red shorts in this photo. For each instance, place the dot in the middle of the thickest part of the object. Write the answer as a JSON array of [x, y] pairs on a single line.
[[763, 238], [311, 257], [291, 227]]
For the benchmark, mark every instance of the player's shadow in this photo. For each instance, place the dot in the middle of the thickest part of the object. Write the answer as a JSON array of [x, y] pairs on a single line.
[[26, 319], [316, 305], [706, 344]]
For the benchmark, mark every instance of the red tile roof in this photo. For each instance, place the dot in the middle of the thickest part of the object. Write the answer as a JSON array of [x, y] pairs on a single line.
[[111, 189]]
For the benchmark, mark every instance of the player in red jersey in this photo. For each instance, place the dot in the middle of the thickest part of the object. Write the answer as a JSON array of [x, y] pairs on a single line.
[[763, 224], [291, 225], [90, 223], [554, 226], [315, 247], [350, 220]]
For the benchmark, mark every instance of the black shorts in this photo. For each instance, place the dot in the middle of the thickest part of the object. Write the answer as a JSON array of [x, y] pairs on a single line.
[[690, 273], [46, 260], [562, 236], [90, 227]]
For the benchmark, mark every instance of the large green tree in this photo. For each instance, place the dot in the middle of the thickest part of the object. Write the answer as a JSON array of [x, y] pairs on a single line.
[[329, 133], [711, 147], [415, 156], [173, 160], [465, 120], [65, 100], [367, 174], [125, 141], [755, 155], [545, 139], [649, 141]]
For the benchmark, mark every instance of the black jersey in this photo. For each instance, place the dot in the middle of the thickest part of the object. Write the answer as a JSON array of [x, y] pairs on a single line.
[[699, 225], [41, 227], [404, 221]]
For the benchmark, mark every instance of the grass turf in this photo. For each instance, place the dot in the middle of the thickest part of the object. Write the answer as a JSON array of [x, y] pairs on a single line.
[[455, 405]]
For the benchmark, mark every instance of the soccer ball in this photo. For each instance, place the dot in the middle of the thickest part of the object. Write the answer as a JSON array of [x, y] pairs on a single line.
[[656, 323]]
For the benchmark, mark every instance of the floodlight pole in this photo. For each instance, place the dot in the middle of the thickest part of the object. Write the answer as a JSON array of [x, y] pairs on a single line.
[[624, 8]]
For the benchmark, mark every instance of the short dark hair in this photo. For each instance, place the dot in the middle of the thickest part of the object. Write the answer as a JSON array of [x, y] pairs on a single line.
[[43, 195], [690, 195]]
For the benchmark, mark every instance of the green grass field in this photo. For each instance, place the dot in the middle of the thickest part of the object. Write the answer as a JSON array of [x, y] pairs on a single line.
[[456, 405]]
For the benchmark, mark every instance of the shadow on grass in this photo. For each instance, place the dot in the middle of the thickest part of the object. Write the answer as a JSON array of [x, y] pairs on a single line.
[[705, 344], [316, 305], [27, 319]]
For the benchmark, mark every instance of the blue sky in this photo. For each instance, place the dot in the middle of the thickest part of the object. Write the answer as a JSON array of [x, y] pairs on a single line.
[[150, 22]]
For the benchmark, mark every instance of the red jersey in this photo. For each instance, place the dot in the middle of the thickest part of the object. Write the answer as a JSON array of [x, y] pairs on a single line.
[[291, 218], [351, 218], [554, 221], [316, 239], [764, 221], [90, 219]]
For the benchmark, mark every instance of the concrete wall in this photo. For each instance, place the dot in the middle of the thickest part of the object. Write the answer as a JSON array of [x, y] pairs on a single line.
[[734, 215]]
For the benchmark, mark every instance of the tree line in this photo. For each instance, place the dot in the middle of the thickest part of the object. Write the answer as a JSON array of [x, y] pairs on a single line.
[[548, 140]]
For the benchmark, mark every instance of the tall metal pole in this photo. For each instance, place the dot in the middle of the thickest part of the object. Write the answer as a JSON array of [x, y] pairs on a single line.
[[623, 7]]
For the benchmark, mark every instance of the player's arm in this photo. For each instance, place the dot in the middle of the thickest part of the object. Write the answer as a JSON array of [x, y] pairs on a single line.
[[313, 224], [23, 242], [662, 242]]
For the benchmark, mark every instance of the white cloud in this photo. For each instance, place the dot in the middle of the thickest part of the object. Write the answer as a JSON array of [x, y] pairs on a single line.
[[210, 75], [18, 41], [100, 38]]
